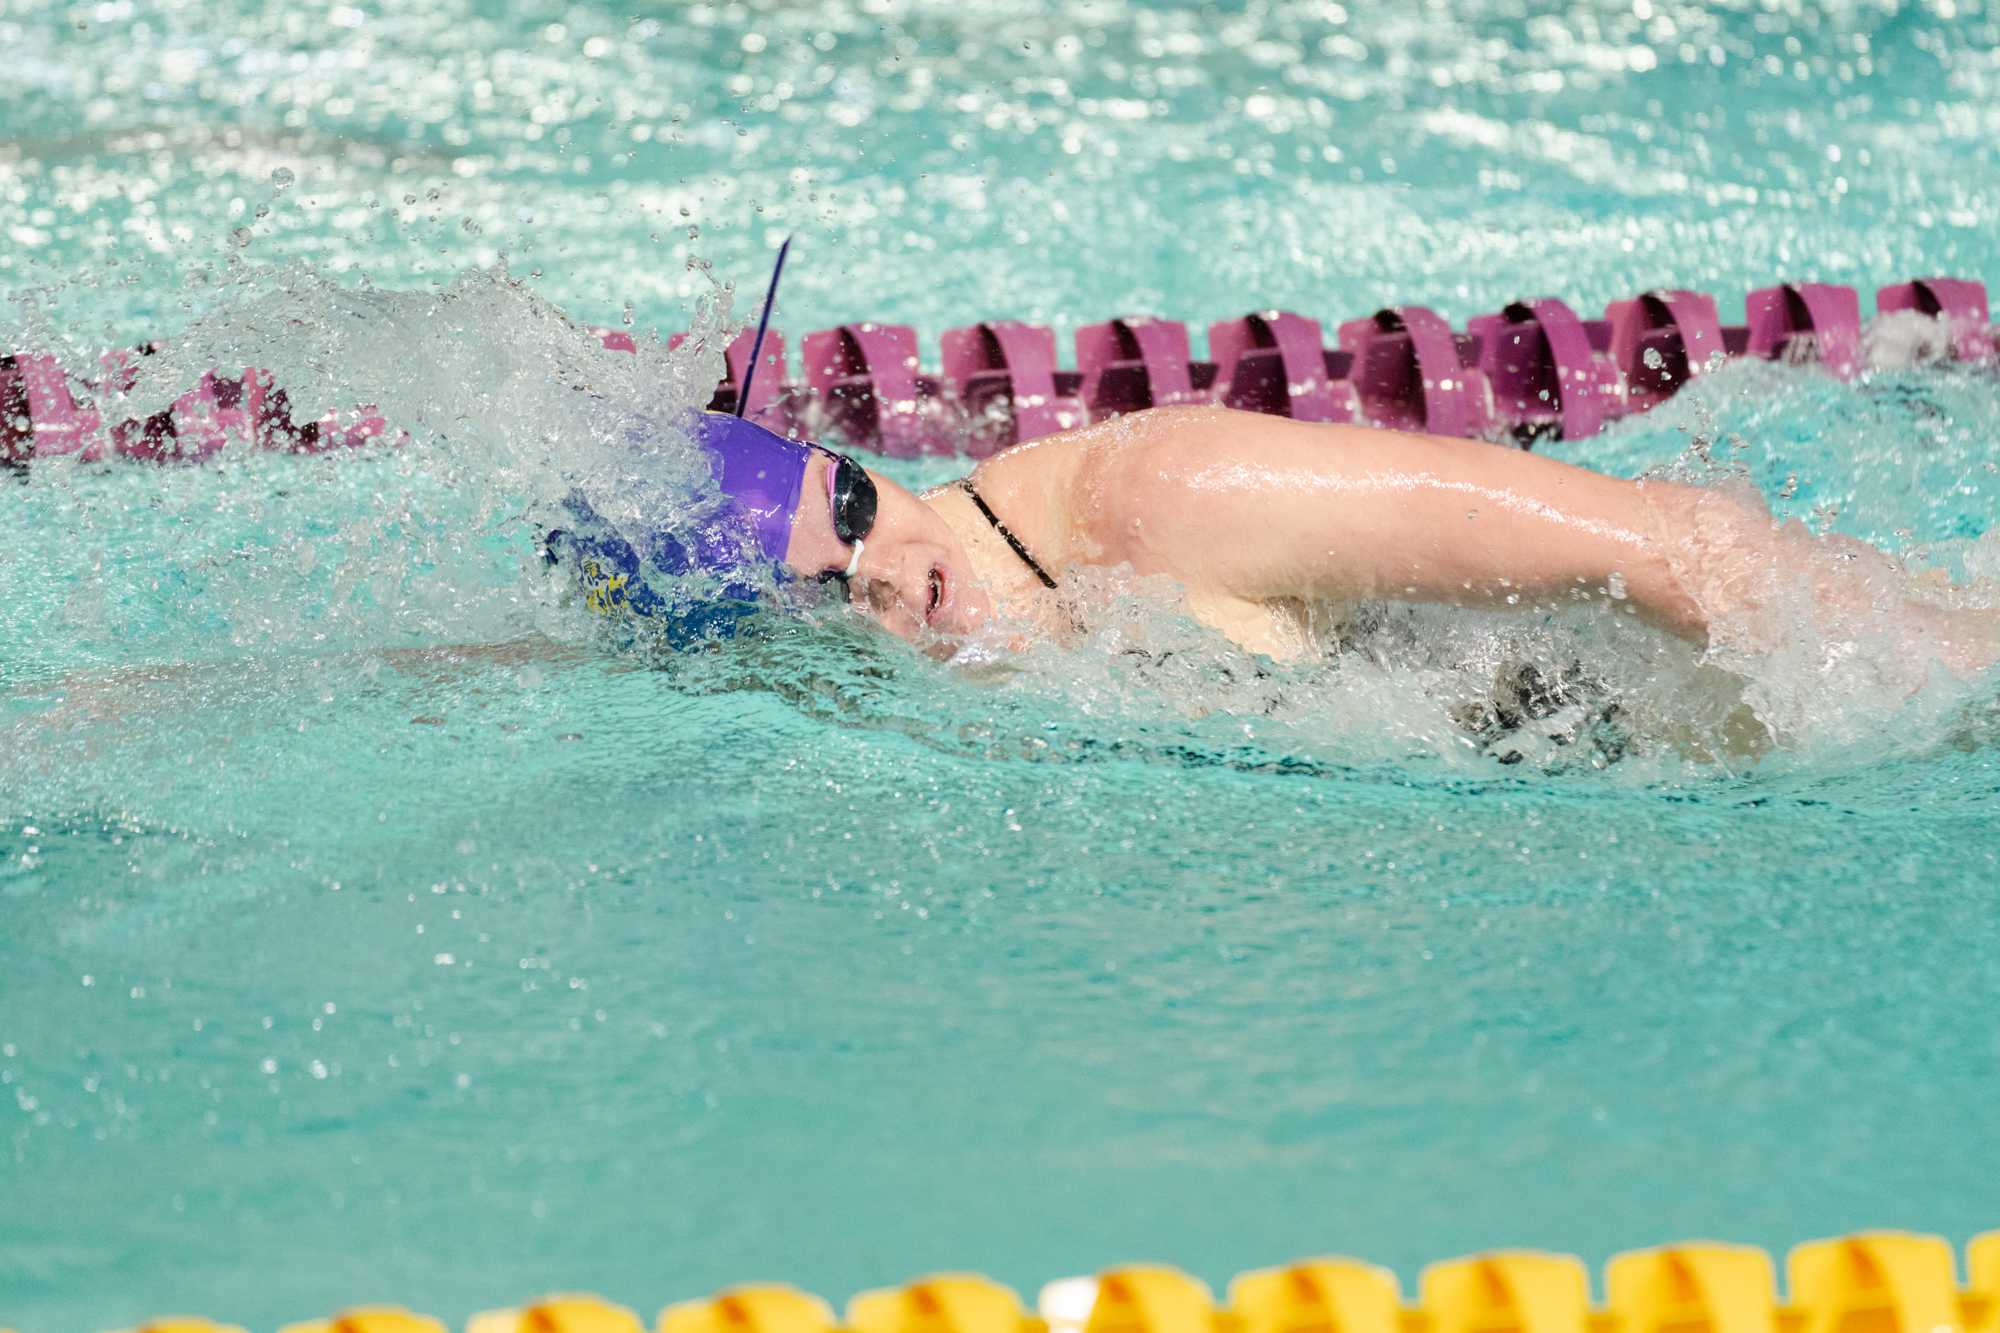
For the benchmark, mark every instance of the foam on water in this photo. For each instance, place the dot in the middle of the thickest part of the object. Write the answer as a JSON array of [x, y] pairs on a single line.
[[504, 404]]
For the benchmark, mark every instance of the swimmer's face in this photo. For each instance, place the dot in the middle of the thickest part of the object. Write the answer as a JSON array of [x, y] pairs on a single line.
[[913, 577]]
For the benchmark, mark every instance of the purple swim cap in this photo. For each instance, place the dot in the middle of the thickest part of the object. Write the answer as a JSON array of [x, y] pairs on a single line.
[[760, 472]]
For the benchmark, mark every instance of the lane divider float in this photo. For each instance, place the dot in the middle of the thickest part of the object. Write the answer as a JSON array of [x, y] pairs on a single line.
[[1871, 1282], [1534, 370]]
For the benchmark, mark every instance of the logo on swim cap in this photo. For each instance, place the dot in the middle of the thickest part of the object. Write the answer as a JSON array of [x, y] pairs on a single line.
[[760, 475]]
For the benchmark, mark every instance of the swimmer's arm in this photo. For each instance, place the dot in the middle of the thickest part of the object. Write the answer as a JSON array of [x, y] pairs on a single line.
[[112, 695], [1256, 507], [449, 661]]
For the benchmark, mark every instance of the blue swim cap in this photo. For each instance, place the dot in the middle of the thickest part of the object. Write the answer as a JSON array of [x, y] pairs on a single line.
[[760, 475]]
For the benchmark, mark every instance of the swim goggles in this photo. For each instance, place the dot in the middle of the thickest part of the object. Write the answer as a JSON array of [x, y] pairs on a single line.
[[851, 499]]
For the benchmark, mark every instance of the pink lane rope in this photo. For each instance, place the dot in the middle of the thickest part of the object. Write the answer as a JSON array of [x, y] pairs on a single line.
[[1534, 370]]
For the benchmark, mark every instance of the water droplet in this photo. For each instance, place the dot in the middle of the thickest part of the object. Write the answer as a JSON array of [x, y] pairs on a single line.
[[283, 178]]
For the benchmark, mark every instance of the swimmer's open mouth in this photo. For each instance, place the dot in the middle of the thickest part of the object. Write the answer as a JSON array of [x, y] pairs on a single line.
[[937, 593]]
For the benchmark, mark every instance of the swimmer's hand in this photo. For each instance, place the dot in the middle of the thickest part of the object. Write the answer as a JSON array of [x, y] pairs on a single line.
[[449, 661], [82, 698]]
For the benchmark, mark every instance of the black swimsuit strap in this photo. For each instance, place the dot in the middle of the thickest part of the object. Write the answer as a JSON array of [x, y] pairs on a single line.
[[965, 484]]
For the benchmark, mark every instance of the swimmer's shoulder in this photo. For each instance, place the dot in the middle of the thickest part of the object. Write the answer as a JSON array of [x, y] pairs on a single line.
[[1112, 492], [1034, 489]]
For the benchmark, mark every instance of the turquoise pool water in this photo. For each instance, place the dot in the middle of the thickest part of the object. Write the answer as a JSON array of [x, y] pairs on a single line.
[[334, 971]]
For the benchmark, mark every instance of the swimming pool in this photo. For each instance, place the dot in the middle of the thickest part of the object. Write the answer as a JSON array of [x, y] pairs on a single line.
[[331, 975]]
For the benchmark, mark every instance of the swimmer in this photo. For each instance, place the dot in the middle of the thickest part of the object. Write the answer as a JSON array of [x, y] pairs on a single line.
[[1268, 530], [1269, 527]]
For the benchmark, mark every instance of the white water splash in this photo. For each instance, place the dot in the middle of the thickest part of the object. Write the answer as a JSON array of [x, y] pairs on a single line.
[[504, 406]]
